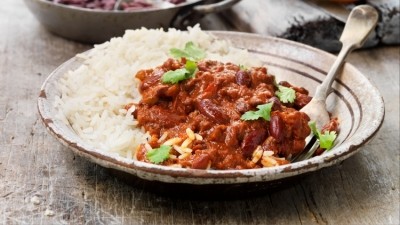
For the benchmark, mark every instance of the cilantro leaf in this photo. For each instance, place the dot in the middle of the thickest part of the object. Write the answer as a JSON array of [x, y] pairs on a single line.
[[191, 67], [174, 76], [250, 115], [190, 51], [313, 127], [264, 111], [177, 53], [286, 94], [326, 139], [158, 155], [195, 51]]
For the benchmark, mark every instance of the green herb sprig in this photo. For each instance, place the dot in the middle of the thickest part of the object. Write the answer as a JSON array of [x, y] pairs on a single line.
[[174, 76], [264, 111], [159, 155], [286, 94], [326, 139], [192, 53]]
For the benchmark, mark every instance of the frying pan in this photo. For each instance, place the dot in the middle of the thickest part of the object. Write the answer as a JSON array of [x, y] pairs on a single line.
[[97, 26]]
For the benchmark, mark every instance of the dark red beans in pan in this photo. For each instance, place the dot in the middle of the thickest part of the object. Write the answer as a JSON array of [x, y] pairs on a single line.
[[109, 4]]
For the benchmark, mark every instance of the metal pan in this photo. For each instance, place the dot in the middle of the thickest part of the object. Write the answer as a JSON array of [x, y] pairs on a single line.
[[97, 26]]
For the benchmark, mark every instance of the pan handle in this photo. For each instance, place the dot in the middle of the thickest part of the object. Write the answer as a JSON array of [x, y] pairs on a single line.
[[191, 15], [215, 7]]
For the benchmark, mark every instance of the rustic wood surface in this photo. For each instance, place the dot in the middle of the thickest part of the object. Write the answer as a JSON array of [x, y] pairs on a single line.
[[42, 182]]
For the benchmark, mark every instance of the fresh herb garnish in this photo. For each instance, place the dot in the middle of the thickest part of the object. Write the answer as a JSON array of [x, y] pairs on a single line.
[[264, 111], [174, 76], [191, 67], [286, 94], [190, 52], [326, 139], [158, 155]]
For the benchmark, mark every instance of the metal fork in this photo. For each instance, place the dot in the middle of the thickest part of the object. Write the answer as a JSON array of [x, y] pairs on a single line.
[[362, 20]]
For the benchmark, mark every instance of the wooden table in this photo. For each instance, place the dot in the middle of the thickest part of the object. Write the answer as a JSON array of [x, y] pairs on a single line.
[[42, 182]]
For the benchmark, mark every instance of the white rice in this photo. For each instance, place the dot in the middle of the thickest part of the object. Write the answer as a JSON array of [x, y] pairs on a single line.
[[94, 95]]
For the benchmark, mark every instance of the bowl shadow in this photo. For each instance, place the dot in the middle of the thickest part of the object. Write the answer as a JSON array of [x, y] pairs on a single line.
[[206, 191]]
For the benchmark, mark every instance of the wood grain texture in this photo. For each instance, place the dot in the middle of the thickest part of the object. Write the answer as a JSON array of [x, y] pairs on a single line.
[[362, 190]]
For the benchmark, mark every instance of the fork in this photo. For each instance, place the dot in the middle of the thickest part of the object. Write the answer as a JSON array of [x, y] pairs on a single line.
[[362, 20]]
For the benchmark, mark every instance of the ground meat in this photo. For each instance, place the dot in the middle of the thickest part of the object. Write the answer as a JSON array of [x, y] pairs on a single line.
[[211, 104], [302, 97]]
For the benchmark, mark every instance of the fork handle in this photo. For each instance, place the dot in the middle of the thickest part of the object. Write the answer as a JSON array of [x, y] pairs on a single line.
[[361, 21], [325, 87]]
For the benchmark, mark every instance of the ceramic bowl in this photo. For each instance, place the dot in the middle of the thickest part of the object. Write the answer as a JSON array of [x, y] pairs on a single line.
[[354, 100], [97, 26]]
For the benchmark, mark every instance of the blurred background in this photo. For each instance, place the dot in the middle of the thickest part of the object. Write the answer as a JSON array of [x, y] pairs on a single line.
[[317, 23]]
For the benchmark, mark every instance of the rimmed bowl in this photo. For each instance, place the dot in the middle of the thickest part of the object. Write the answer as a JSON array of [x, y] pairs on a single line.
[[354, 100]]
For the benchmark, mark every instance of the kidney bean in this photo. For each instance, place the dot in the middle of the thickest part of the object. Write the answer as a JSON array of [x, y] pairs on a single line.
[[277, 104], [270, 144], [276, 127], [252, 140], [212, 111], [201, 161], [285, 83], [243, 78]]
